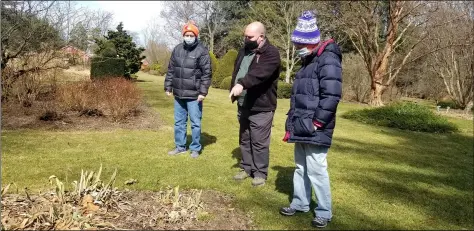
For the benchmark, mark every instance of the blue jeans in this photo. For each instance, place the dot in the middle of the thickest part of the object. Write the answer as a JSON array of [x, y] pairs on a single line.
[[311, 170], [183, 107]]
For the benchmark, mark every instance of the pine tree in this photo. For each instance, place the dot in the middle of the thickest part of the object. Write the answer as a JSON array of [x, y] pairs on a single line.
[[125, 47]]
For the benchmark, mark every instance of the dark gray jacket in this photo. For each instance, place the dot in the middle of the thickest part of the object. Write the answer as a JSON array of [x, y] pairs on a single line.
[[189, 71]]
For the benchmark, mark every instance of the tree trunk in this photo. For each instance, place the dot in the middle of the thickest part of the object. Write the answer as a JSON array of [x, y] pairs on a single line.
[[211, 42], [288, 74], [468, 107], [376, 91], [288, 71]]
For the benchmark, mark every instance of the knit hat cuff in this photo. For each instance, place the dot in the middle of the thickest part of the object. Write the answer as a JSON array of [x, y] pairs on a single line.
[[312, 37]]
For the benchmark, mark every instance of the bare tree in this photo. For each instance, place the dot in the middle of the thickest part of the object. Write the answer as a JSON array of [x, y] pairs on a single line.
[[212, 17], [24, 30], [30, 43], [280, 20], [385, 34], [157, 50], [455, 64], [176, 14], [356, 79]]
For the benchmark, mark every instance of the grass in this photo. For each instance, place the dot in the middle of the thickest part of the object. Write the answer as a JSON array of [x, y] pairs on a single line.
[[381, 178]]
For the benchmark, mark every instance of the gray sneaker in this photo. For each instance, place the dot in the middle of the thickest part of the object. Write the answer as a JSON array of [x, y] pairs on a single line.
[[258, 181], [320, 222], [194, 154], [176, 151], [241, 175]]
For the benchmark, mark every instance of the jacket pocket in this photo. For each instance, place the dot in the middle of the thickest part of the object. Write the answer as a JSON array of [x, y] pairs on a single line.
[[303, 123]]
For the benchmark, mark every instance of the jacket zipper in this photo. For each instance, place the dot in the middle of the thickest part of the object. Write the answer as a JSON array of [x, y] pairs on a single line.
[[181, 71]]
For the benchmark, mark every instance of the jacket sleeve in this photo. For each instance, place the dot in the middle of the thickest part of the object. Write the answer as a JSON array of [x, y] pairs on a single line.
[[206, 69], [268, 63], [170, 74], [236, 69], [330, 87]]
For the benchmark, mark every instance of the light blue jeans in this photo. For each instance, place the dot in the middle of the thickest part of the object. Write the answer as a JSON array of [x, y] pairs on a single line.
[[183, 107], [311, 170]]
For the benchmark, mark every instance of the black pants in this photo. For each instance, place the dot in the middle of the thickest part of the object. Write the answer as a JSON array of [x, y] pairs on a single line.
[[254, 139]]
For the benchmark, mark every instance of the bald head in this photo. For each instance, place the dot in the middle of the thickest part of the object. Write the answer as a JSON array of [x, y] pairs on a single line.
[[256, 28], [254, 35]]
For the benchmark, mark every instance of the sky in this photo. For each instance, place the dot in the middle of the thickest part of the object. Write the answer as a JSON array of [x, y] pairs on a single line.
[[135, 15]]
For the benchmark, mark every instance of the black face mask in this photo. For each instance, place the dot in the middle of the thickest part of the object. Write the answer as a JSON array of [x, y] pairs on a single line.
[[250, 45]]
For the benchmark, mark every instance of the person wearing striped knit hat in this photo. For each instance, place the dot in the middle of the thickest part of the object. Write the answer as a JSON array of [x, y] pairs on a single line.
[[311, 119]]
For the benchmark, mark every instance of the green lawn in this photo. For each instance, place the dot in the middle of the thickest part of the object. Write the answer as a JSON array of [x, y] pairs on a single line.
[[381, 178]]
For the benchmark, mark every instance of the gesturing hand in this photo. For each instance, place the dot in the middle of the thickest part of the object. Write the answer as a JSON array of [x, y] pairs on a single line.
[[236, 90]]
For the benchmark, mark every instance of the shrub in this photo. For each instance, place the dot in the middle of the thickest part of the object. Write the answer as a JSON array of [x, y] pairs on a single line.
[[155, 67], [225, 84], [114, 97], [107, 67], [403, 115], [50, 115], [225, 67], [449, 103], [284, 90], [159, 68], [213, 62]]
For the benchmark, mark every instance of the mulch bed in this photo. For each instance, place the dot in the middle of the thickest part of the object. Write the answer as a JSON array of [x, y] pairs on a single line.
[[16, 116]]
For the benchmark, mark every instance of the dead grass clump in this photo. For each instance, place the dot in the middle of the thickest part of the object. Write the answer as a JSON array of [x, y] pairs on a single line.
[[90, 203]]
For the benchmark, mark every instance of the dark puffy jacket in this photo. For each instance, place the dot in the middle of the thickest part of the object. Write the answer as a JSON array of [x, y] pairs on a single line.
[[315, 95], [261, 81], [189, 71]]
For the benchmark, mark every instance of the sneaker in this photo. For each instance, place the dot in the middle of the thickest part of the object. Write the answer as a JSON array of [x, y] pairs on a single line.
[[287, 211], [241, 175], [194, 154], [258, 181], [176, 151], [320, 222]]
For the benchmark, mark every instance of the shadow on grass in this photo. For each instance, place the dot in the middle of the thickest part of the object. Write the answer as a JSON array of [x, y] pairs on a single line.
[[141, 81], [206, 139], [432, 172], [237, 155]]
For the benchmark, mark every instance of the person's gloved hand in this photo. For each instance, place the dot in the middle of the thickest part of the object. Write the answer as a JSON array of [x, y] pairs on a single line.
[[287, 136], [317, 125]]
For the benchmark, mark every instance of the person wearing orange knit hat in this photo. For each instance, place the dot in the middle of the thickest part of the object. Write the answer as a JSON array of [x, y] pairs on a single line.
[[191, 27], [188, 79]]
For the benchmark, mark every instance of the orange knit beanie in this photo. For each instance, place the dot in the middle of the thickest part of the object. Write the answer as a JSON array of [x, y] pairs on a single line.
[[191, 27]]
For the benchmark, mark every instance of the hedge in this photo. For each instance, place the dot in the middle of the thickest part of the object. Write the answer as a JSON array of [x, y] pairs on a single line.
[[284, 90], [225, 84], [225, 67], [102, 67]]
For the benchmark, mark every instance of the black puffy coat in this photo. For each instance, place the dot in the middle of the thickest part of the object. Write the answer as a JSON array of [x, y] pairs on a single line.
[[189, 71], [315, 95]]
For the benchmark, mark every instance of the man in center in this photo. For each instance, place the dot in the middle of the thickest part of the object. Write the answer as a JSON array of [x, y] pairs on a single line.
[[254, 87]]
